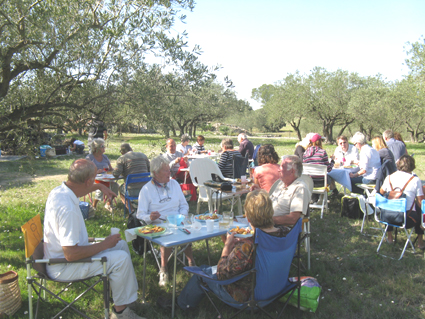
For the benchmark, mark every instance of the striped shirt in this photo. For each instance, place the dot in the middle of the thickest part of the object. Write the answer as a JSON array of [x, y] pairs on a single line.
[[132, 163], [226, 162], [198, 148], [317, 155]]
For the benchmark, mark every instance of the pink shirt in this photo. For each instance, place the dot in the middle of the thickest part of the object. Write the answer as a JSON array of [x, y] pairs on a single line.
[[265, 175]]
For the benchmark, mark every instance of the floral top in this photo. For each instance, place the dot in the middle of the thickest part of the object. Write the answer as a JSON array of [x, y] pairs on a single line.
[[241, 259]]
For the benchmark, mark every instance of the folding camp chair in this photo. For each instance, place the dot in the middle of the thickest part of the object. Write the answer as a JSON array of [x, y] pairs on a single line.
[[317, 170], [34, 253], [306, 219], [273, 259], [396, 205], [131, 179], [202, 170]]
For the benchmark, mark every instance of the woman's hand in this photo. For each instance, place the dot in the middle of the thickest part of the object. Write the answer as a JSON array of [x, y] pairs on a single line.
[[154, 215], [254, 187], [228, 246]]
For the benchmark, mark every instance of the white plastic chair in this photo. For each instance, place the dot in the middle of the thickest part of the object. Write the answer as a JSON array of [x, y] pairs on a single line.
[[318, 170], [202, 170]]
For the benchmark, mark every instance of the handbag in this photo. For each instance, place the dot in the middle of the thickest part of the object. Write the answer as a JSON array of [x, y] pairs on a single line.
[[392, 217], [396, 193], [137, 244]]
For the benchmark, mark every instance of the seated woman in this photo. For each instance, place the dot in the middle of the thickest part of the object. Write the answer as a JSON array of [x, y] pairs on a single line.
[[369, 163], [226, 158], [302, 145], [159, 198], [413, 190], [103, 164], [379, 144], [237, 256], [76, 146], [268, 172], [315, 154], [184, 147]]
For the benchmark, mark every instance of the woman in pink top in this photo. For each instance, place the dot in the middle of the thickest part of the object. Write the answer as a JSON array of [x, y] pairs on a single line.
[[268, 172]]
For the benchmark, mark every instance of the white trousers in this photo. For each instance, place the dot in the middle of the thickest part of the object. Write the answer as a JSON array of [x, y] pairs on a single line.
[[118, 266]]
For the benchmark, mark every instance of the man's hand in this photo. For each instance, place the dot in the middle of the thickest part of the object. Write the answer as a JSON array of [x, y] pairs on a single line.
[[112, 240], [108, 193], [177, 160], [154, 215]]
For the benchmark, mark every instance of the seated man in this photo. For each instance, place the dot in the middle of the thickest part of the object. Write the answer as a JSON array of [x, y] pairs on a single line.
[[176, 159], [398, 148], [162, 197], [291, 198], [245, 146], [65, 236], [345, 153], [130, 163]]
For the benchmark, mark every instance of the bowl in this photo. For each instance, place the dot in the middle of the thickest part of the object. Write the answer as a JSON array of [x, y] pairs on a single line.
[[241, 219], [176, 219]]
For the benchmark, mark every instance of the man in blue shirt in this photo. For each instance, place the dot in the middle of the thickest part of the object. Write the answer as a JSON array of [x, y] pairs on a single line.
[[396, 147]]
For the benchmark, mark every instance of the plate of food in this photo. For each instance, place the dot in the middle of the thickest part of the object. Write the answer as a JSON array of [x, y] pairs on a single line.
[[242, 232], [239, 181], [203, 217], [350, 166], [151, 230]]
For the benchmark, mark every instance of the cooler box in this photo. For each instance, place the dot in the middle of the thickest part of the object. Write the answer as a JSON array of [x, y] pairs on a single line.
[[43, 149]]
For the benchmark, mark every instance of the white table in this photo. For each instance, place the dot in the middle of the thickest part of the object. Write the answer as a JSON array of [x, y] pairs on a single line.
[[173, 241], [342, 176]]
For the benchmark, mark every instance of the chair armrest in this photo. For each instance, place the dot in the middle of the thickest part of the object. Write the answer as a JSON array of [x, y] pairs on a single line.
[[95, 239], [198, 272], [64, 261]]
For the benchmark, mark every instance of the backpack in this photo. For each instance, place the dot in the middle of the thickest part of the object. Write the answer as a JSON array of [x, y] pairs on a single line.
[[350, 207], [139, 242]]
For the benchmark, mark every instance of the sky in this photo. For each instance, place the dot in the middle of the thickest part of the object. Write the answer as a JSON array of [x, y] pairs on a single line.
[[260, 42]]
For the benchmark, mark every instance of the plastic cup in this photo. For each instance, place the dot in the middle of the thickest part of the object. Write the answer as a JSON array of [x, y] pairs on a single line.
[[243, 179], [210, 225], [115, 231]]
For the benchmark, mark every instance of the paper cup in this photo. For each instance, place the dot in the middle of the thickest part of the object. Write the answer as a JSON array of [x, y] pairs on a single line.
[[210, 225], [115, 231]]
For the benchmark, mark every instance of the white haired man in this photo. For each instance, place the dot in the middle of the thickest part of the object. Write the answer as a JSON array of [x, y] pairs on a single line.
[[65, 236], [245, 145], [369, 163]]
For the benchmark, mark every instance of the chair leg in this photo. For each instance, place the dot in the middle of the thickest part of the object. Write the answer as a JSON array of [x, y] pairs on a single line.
[[382, 239], [198, 206]]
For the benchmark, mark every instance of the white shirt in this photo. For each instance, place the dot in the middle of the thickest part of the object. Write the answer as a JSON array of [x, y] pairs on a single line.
[[399, 179], [183, 149], [63, 222], [294, 198], [153, 198], [351, 155], [172, 157], [370, 161]]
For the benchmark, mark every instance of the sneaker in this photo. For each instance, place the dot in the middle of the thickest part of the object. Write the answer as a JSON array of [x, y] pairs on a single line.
[[109, 207], [126, 314], [163, 278]]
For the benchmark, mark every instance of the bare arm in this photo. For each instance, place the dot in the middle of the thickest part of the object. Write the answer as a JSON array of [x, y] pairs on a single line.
[[287, 220], [76, 252]]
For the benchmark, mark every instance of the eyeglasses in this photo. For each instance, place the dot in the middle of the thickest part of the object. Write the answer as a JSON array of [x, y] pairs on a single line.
[[103, 146], [166, 199]]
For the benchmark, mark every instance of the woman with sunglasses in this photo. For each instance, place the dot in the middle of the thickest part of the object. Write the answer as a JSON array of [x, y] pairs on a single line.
[[103, 164], [158, 199]]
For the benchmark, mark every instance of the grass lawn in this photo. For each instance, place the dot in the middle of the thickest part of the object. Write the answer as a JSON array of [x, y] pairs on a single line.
[[356, 282]]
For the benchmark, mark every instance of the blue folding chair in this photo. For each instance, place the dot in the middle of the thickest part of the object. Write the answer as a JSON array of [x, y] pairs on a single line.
[[395, 205], [273, 259], [131, 179]]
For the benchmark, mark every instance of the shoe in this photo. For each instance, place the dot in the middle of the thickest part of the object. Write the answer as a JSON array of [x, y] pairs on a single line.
[[137, 306], [109, 207], [334, 193], [163, 278], [126, 314]]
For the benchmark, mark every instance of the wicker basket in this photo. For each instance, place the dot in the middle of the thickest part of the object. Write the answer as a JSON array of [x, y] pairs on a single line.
[[10, 294]]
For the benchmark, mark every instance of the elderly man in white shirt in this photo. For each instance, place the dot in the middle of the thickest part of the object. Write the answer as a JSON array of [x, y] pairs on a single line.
[[65, 236], [345, 153], [369, 163], [159, 198]]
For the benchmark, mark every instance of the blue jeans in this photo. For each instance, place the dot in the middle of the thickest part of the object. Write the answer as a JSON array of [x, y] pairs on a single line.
[[192, 293], [360, 180]]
